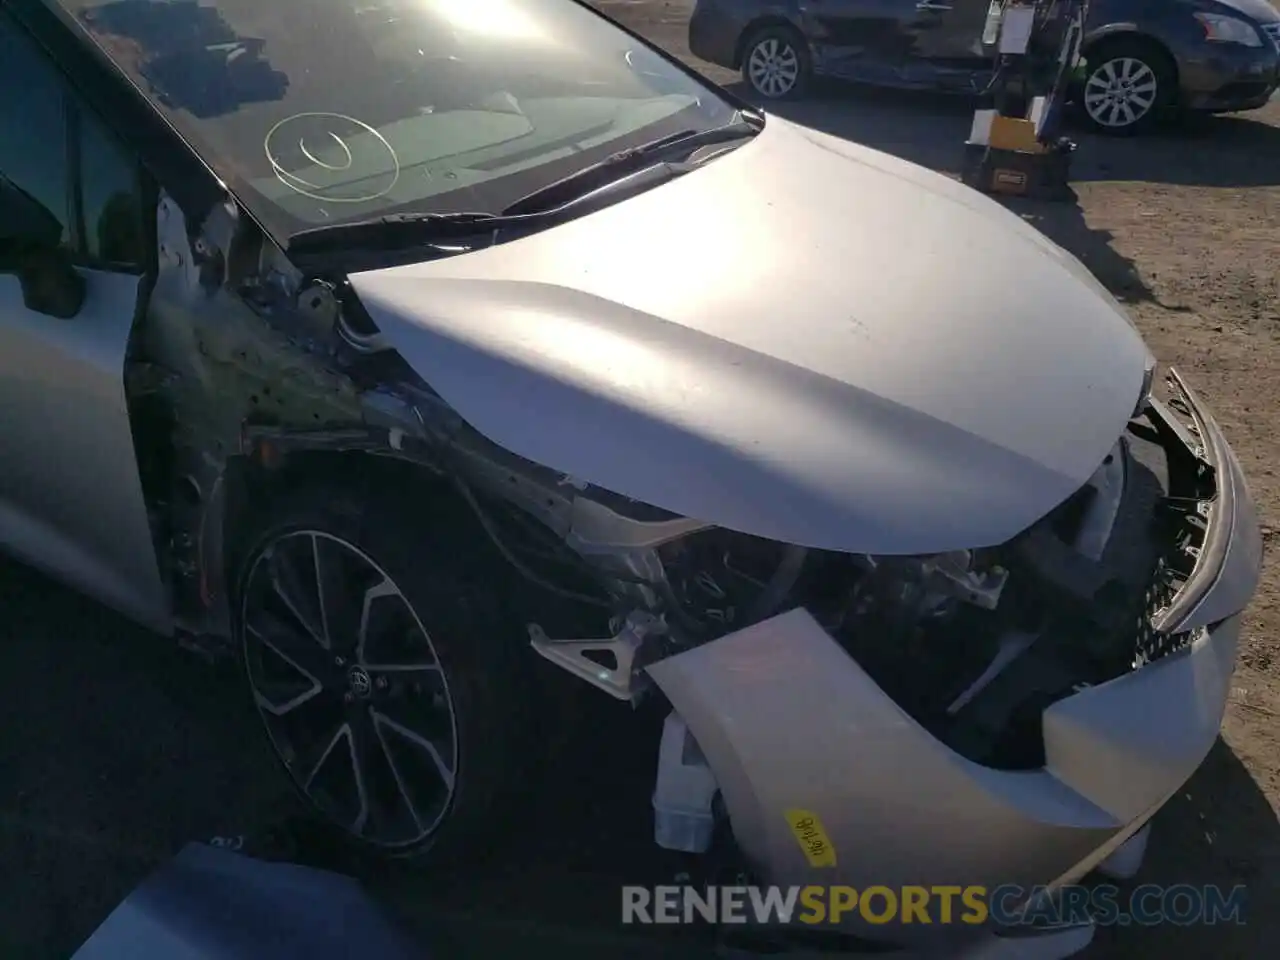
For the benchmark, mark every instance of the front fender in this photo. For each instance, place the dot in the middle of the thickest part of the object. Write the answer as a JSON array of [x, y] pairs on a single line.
[[1104, 31]]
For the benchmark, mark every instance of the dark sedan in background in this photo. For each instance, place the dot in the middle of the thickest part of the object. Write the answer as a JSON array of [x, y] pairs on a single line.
[[1144, 58]]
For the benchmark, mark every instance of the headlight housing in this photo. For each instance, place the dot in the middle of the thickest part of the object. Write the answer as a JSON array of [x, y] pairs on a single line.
[[1219, 28]]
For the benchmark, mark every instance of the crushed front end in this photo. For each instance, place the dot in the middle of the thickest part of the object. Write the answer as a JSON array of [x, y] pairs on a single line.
[[1016, 726]]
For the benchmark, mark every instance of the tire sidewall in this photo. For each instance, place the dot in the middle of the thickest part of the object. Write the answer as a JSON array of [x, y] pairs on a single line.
[[797, 43]]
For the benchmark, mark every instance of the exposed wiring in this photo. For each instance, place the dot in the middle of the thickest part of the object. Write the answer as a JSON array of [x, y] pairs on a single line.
[[781, 582], [490, 530], [996, 76], [662, 587], [535, 528]]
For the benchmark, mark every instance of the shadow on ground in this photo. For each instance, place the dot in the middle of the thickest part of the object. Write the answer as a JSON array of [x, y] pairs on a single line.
[[116, 748], [1064, 223], [1219, 830], [930, 129]]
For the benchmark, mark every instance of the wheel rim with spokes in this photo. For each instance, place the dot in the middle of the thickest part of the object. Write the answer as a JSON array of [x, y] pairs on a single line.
[[773, 67], [350, 688], [1120, 92]]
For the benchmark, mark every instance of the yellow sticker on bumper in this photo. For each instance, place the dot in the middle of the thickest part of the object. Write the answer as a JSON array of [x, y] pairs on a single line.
[[812, 837]]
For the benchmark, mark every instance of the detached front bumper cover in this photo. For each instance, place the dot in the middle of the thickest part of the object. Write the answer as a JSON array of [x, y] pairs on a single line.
[[790, 724]]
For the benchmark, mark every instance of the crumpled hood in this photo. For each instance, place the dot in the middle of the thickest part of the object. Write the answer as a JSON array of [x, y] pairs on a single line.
[[804, 340]]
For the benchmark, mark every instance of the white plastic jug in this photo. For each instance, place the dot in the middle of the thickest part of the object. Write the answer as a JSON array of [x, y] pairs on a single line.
[[682, 799]]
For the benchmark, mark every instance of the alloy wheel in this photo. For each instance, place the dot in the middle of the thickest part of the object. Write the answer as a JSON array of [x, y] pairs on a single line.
[[1120, 92], [350, 689], [773, 67]]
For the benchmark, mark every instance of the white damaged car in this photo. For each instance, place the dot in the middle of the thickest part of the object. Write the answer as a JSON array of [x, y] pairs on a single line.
[[398, 345]]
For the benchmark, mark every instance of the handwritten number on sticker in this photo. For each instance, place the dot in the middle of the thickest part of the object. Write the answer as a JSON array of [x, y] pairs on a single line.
[[812, 837]]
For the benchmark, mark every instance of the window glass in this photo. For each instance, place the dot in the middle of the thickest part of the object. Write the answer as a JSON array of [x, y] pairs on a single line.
[[330, 110], [33, 156], [109, 191]]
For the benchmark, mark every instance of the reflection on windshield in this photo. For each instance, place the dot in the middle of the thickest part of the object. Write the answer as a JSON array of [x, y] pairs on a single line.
[[188, 54], [318, 111]]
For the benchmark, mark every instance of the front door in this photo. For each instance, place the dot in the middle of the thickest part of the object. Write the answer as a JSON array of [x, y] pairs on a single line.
[[850, 37], [70, 495], [950, 30], [893, 41]]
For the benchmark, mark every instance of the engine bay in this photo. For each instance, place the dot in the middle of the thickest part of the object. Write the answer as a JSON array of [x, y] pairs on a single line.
[[974, 645]]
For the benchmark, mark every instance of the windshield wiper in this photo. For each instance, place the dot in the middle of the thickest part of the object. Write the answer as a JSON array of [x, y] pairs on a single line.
[[540, 208], [590, 179], [395, 231]]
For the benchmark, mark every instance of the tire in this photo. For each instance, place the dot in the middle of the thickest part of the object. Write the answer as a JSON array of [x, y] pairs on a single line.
[[776, 63], [1129, 86], [401, 655]]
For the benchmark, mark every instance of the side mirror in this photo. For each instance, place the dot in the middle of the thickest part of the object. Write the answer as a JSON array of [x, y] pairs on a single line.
[[31, 249]]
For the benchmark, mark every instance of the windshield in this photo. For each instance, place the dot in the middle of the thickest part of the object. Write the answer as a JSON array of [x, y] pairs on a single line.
[[323, 111]]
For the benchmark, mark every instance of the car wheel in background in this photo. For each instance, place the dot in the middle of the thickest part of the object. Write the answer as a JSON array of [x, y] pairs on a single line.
[[376, 656], [1128, 86], [776, 62]]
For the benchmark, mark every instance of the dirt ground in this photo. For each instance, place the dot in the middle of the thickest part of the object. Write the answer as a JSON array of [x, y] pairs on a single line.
[[1184, 229]]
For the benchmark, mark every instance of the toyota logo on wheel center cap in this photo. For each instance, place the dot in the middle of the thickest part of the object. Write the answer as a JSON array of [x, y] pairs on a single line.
[[358, 680]]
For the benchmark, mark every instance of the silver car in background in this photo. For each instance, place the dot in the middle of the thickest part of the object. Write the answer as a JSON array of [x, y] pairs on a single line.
[[396, 346]]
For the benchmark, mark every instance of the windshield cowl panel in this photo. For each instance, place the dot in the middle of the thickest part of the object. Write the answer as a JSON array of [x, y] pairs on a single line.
[[333, 110]]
